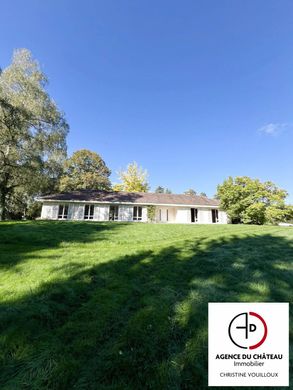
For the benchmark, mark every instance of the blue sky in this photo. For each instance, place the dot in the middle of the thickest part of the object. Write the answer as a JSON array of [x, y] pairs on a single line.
[[194, 91]]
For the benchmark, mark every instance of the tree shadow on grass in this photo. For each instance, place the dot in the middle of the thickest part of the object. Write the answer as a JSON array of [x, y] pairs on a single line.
[[139, 321], [21, 239]]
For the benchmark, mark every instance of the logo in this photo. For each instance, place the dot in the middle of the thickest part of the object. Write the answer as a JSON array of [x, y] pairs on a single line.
[[245, 327], [248, 344]]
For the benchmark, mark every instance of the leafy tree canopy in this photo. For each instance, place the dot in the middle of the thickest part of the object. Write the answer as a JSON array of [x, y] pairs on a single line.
[[133, 179], [85, 170], [252, 201], [190, 192], [162, 190], [32, 132]]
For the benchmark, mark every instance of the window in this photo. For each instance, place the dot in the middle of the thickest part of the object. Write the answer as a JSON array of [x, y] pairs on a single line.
[[194, 213], [113, 213], [89, 211], [160, 215], [167, 215], [63, 211], [137, 213], [215, 216]]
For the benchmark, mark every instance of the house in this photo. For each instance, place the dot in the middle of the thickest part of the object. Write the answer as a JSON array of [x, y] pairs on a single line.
[[131, 206]]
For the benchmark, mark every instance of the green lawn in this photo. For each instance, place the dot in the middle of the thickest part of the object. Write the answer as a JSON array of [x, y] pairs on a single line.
[[124, 306]]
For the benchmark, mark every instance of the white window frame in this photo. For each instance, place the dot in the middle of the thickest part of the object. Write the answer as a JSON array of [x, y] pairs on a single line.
[[136, 216], [91, 212], [63, 214], [116, 216]]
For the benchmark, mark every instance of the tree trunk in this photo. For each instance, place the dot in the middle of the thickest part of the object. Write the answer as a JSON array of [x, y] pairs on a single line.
[[2, 205]]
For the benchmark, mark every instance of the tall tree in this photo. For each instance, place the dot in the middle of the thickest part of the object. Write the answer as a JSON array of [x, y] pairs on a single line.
[[251, 201], [190, 192], [85, 170], [133, 179], [203, 194], [32, 130]]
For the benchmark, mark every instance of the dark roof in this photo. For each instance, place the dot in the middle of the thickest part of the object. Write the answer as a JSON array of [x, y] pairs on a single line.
[[130, 197]]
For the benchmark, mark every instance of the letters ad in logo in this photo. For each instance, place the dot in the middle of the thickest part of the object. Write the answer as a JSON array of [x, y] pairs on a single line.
[[248, 344]]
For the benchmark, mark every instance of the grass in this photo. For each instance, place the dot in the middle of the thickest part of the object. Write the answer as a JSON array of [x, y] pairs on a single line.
[[124, 306]]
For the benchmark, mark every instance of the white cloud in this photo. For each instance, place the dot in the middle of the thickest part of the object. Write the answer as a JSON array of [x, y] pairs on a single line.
[[273, 128]]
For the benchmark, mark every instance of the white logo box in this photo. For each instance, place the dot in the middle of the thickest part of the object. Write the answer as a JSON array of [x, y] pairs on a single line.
[[248, 344]]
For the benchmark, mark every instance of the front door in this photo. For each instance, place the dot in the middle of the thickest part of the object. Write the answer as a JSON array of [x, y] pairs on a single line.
[[215, 216], [193, 215], [113, 213]]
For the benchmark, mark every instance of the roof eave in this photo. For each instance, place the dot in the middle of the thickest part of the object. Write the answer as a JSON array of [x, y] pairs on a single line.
[[126, 203]]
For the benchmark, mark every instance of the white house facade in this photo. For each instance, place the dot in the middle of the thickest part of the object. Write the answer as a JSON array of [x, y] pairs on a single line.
[[90, 205]]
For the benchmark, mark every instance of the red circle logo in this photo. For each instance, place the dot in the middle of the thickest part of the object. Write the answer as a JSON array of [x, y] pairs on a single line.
[[248, 330]]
